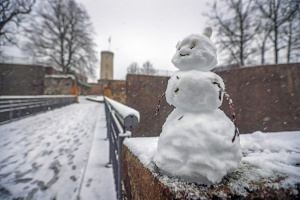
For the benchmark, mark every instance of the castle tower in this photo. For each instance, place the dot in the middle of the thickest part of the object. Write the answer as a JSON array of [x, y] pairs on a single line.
[[107, 66]]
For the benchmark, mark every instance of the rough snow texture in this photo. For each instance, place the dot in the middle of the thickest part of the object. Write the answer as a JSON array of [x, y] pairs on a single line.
[[196, 139], [123, 110], [271, 160], [274, 154], [198, 147], [194, 91], [59, 154], [195, 52]]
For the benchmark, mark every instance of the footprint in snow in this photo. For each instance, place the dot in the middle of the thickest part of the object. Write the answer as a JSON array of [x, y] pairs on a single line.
[[89, 182]]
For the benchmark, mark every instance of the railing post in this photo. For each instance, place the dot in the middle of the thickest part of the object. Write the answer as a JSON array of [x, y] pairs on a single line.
[[11, 110], [116, 134], [120, 173], [108, 133]]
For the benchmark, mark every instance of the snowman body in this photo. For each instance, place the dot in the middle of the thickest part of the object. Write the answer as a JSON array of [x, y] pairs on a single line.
[[196, 139]]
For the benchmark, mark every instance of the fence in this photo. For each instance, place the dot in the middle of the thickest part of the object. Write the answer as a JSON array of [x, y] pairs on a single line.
[[120, 119], [14, 107]]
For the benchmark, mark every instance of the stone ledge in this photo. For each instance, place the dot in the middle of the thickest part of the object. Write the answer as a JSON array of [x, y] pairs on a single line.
[[143, 183]]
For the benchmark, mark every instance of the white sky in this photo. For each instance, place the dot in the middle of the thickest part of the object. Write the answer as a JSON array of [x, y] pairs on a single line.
[[144, 30]]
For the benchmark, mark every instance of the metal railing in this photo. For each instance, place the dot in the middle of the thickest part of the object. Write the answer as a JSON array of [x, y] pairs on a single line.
[[120, 119], [15, 107]]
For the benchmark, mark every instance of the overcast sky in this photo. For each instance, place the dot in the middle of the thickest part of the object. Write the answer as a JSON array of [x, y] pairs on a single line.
[[144, 30], [141, 30]]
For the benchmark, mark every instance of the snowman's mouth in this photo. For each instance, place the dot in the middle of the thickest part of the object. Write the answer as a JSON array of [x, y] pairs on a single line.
[[183, 55]]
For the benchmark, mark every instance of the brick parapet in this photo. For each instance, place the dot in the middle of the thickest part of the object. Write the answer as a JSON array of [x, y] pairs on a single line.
[[266, 98]]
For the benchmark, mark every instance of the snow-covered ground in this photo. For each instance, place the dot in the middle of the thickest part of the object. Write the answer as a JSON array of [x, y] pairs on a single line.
[[272, 159], [96, 98], [60, 154]]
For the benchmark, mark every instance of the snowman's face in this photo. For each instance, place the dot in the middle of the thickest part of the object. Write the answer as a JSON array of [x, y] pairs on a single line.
[[194, 91], [195, 52]]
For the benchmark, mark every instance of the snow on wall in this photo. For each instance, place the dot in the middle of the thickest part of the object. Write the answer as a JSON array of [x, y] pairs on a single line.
[[61, 76], [269, 159]]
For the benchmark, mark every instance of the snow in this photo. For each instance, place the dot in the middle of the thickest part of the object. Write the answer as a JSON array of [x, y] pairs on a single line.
[[196, 139], [59, 154], [274, 152], [195, 90], [199, 147], [60, 76], [196, 52], [96, 98], [271, 159], [123, 110]]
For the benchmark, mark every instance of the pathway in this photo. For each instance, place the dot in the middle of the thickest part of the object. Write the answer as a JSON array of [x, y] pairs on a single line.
[[60, 154]]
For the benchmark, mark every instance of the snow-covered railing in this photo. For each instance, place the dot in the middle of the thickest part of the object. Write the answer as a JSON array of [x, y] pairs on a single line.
[[14, 107], [120, 119]]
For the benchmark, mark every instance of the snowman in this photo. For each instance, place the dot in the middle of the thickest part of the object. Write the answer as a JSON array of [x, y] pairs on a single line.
[[196, 140]]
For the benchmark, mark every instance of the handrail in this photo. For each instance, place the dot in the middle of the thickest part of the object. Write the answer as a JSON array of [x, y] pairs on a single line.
[[15, 107], [129, 116], [120, 120]]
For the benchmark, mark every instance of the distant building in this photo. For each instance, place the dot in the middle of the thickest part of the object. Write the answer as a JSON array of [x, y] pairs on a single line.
[[107, 86], [17, 79], [107, 65]]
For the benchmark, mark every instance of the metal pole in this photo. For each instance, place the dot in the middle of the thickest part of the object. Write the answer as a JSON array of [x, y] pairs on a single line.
[[120, 140], [108, 133], [120, 173]]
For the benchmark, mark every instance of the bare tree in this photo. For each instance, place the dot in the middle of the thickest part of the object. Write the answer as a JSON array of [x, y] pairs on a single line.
[[291, 36], [60, 31], [133, 68], [235, 29], [262, 37], [277, 13], [11, 12], [148, 69]]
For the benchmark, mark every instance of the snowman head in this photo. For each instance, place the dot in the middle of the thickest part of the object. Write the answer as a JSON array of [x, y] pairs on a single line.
[[194, 91], [196, 52]]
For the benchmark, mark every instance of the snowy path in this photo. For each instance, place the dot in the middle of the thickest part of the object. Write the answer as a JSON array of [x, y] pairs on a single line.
[[58, 155]]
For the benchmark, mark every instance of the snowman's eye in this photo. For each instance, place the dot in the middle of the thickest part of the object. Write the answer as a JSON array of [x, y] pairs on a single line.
[[177, 77], [177, 90], [193, 45]]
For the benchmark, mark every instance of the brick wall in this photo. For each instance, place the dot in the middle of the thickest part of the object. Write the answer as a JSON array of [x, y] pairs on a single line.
[[97, 89], [58, 86], [18, 79], [142, 94], [266, 98], [142, 183], [115, 89]]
